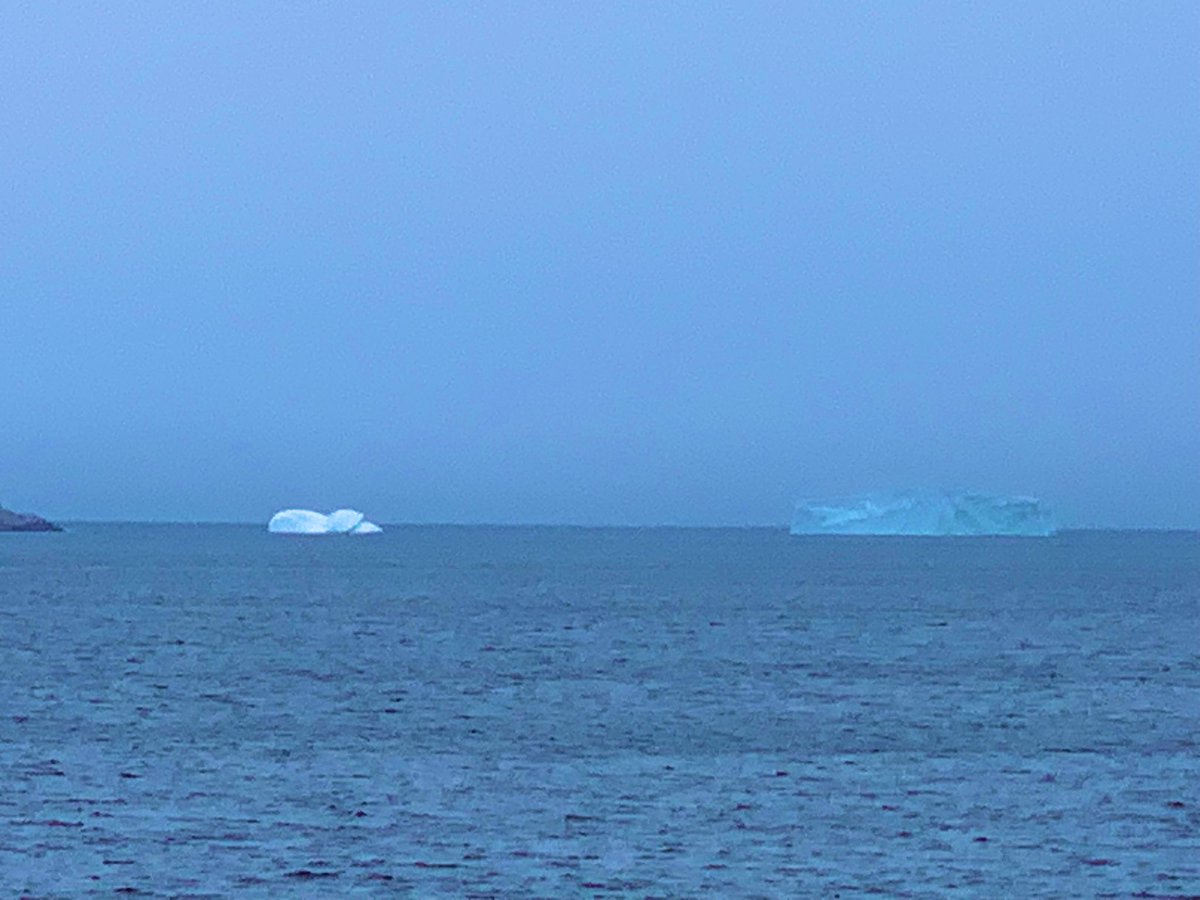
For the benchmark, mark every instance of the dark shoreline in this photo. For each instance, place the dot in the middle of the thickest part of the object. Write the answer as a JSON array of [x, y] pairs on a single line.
[[24, 522]]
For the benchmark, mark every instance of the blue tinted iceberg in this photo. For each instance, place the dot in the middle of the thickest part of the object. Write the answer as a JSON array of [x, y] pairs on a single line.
[[305, 521], [957, 514]]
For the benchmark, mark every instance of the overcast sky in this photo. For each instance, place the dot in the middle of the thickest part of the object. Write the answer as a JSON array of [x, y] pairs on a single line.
[[598, 263]]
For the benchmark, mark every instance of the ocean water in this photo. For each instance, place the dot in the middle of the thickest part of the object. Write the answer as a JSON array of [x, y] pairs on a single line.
[[558, 712]]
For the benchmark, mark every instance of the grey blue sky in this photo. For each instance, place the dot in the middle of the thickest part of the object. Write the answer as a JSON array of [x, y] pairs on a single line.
[[598, 262]]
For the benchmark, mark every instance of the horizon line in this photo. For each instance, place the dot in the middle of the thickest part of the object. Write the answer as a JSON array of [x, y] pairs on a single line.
[[784, 526]]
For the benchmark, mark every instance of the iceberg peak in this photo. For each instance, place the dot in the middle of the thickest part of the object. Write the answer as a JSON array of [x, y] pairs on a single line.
[[305, 521]]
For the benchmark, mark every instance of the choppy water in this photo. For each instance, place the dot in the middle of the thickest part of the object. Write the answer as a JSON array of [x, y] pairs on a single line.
[[211, 710]]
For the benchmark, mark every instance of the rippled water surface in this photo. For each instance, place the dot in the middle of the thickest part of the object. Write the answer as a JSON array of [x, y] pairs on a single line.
[[509, 712]]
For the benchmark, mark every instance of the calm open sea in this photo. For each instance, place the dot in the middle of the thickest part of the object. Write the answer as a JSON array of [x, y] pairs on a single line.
[[509, 712]]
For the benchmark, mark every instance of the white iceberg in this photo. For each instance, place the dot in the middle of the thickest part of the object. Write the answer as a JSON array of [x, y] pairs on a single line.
[[298, 521], [305, 521], [925, 513], [343, 521]]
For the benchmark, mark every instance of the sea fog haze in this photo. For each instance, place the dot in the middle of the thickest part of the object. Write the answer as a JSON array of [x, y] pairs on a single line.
[[510, 711], [600, 263], [611, 277]]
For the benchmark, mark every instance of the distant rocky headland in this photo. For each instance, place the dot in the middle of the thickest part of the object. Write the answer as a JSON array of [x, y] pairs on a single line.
[[11, 521]]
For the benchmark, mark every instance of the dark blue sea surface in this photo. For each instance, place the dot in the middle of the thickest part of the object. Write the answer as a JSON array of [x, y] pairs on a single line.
[[510, 712]]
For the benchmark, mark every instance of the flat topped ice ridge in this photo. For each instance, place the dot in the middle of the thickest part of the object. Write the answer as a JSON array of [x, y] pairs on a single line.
[[305, 521], [925, 513]]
